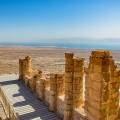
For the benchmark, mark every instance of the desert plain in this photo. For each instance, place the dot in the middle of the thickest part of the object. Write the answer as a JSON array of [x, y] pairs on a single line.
[[47, 59]]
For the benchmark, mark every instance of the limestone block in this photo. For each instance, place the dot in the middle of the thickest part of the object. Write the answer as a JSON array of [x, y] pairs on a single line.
[[69, 62], [47, 95], [53, 92], [60, 106], [97, 94], [69, 68], [67, 115], [60, 84], [40, 88]]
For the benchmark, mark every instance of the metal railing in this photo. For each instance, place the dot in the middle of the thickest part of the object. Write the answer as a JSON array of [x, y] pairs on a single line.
[[11, 114]]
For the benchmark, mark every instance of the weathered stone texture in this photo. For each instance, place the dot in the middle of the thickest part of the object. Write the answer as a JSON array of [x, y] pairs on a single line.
[[101, 96], [28, 65], [68, 108], [60, 106], [74, 70], [114, 97], [64, 93], [33, 81], [79, 114], [60, 84], [47, 90], [78, 82], [40, 88], [53, 91], [25, 68]]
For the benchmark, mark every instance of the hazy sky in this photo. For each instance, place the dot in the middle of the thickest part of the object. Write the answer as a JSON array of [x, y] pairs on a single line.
[[52, 19]]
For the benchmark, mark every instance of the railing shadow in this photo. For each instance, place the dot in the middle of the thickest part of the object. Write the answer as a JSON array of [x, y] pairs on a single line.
[[29, 107]]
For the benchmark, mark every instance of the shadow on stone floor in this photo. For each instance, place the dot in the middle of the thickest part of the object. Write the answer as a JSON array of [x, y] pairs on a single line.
[[29, 108]]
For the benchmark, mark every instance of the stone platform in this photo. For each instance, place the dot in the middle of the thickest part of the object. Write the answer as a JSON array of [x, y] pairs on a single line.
[[24, 103]]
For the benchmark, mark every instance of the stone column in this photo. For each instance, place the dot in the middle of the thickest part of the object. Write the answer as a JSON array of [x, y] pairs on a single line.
[[97, 86], [41, 88], [53, 91], [24, 67], [34, 80], [68, 109], [28, 66], [78, 82], [20, 69], [113, 93], [119, 96], [60, 84]]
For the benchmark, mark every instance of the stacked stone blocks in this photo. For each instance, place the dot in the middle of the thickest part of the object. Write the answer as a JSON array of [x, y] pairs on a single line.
[[101, 97], [73, 84], [65, 91]]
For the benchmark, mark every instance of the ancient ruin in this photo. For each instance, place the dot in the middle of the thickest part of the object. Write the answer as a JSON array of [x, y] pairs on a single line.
[[80, 93]]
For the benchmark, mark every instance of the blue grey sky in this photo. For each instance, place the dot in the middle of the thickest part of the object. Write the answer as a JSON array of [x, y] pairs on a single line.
[[39, 20]]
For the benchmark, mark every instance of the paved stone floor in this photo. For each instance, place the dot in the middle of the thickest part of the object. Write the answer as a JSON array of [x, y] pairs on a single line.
[[25, 103]]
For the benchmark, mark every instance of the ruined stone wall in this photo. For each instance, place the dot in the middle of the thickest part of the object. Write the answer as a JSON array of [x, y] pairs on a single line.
[[64, 93], [40, 88], [102, 88], [78, 82], [96, 99], [60, 95], [73, 84], [25, 68], [47, 91], [53, 91], [20, 69], [60, 106], [68, 108]]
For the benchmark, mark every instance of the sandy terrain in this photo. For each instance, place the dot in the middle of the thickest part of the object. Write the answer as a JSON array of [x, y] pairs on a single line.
[[45, 59]]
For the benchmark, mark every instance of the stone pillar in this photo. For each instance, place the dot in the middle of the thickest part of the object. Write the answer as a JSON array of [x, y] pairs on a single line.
[[24, 67], [68, 109], [41, 88], [113, 93], [34, 80], [20, 69], [53, 91], [60, 84], [78, 82], [119, 96], [97, 86], [28, 66]]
